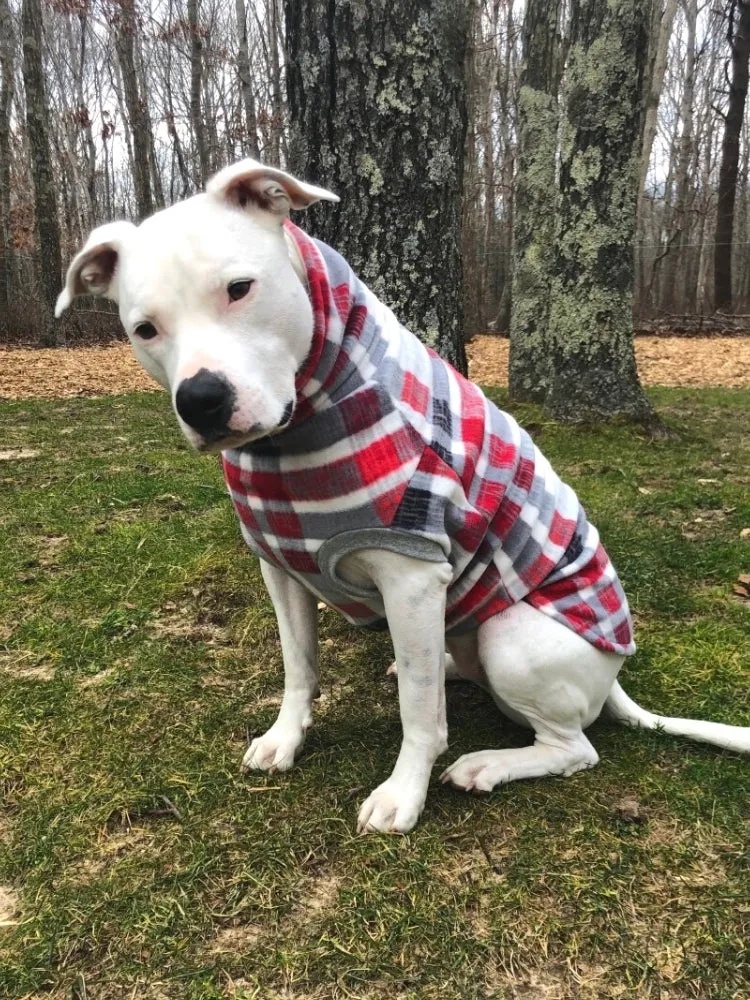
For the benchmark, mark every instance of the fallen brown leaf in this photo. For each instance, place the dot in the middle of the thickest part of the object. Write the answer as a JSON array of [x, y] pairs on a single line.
[[630, 810]]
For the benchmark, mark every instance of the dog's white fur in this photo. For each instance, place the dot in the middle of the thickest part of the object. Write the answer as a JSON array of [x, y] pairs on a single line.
[[173, 271]]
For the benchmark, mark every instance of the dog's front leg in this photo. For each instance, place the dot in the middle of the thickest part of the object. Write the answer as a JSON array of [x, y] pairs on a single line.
[[296, 612], [413, 593]]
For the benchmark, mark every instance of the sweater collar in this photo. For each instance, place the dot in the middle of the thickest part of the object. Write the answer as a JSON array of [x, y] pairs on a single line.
[[331, 308]]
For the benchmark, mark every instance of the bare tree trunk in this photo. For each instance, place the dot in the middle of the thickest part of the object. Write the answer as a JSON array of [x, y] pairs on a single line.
[[471, 253], [377, 102], [137, 108], [661, 34], [88, 136], [535, 196], [277, 120], [246, 80], [143, 84], [740, 277], [590, 339], [45, 204], [676, 261], [171, 127], [81, 118], [660, 37], [507, 117], [7, 43], [65, 142], [730, 151], [211, 136], [106, 133], [489, 242], [196, 69]]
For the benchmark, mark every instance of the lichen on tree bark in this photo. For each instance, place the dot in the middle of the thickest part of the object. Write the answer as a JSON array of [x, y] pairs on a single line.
[[583, 327], [377, 106], [533, 231], [591, 293]]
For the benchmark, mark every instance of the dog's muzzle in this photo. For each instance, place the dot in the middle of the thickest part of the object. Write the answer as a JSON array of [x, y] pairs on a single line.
[[206, 403]]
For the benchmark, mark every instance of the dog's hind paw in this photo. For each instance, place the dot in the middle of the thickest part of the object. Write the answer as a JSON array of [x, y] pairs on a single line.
[[484, 770]]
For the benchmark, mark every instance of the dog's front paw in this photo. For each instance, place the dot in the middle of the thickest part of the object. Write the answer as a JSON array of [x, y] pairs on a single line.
[[275, 750], [394, 807]]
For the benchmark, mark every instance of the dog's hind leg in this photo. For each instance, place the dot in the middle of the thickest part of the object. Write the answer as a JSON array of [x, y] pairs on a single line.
[[541, 674], [461, 662]]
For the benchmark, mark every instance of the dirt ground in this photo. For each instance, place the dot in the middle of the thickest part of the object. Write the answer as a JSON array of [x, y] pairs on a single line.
[[673, 361], [98, 371]]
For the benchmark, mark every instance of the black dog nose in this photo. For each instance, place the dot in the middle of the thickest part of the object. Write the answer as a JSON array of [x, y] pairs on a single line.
[[205, 402]]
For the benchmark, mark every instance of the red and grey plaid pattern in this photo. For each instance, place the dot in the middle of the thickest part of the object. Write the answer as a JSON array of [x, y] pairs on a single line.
[[390, 446]]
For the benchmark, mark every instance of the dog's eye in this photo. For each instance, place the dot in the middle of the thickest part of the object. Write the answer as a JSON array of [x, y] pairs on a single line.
[[238, 289], [146, 331]]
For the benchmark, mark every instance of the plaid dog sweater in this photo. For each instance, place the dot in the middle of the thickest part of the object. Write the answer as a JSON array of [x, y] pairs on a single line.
[[389, 447]]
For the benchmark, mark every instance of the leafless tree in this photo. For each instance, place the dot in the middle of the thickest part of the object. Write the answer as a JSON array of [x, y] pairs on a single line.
[[7, 47], [196, 73], [45, 203], [739, 38]]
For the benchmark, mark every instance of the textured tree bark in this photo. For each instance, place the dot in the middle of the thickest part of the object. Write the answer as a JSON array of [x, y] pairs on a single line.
[[45, 203], [590, 321], [661, 34], [535, 201], [246, 80], [179, 154], [677, 266], [7, 43], [136, 106], [730, 152], [275, 43], [471, 252], [507, 116], [144, 85], [88, 143], [196, 71], [377, 107]]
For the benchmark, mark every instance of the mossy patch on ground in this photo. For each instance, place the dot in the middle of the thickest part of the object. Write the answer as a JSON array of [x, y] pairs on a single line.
[[138, 654]]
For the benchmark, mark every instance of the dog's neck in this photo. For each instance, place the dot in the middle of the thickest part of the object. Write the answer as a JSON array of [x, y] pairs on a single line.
[[296, 259]]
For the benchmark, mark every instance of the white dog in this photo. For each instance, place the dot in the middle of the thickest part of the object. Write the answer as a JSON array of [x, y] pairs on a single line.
[[368, 473]]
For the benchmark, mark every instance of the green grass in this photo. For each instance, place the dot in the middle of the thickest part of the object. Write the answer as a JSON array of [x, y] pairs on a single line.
[[138, 652]]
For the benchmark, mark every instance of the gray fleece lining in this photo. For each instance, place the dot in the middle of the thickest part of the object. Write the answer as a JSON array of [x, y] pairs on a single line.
[[391, 539]]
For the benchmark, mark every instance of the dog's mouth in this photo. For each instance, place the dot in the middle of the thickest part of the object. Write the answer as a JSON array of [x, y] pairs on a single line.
[[237, 439]]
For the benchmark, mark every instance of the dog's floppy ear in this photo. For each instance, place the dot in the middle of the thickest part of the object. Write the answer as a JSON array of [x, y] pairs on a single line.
[[93, 268], [250, 183]]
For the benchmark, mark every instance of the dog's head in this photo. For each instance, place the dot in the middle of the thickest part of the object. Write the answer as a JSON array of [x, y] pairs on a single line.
[[213, 305]]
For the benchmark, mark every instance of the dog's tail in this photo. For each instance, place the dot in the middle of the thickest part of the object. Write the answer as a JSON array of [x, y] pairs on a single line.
[[625, 710]]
